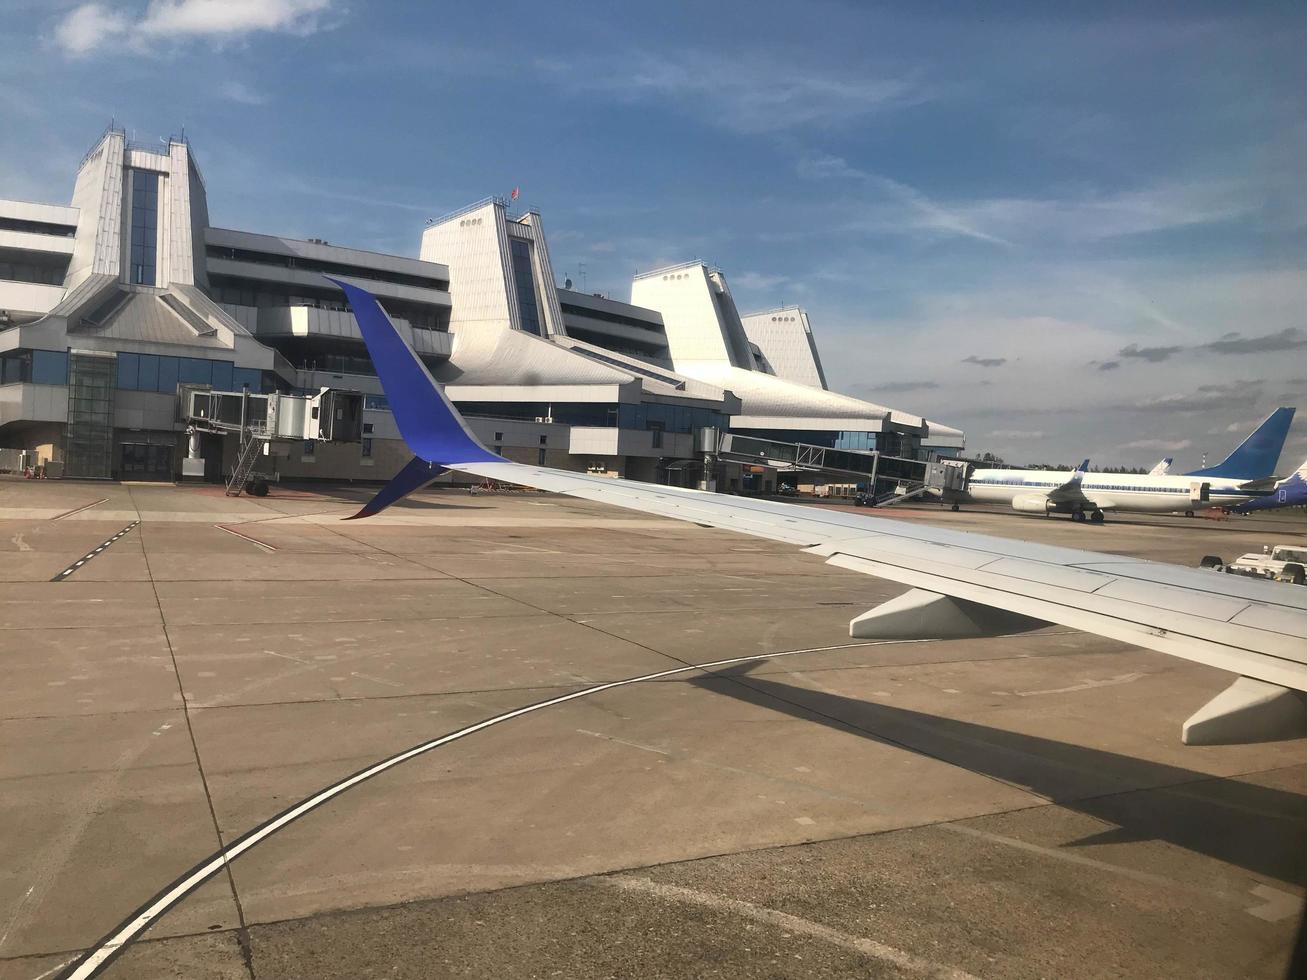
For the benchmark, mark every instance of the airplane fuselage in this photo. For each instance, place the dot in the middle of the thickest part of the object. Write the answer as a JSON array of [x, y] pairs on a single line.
[[1141, 493]]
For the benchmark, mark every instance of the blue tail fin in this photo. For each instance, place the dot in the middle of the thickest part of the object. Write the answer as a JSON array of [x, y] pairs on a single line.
[[1259, 454], [428, 422]]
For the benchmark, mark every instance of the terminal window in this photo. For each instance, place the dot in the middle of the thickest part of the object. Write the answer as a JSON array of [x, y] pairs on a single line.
[[524, 281], [145, 226]]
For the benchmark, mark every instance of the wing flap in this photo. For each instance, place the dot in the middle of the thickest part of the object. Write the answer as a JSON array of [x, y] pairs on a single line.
[[1061, 576], [1156, 614], [1241, 650], [1169, 597]]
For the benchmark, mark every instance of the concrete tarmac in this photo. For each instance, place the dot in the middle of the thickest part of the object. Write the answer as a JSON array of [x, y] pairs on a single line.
[[1013, 807]]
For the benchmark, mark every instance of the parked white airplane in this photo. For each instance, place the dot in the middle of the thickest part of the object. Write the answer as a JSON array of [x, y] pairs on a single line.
[[962, 584], [1085, 495], [1242, 476]]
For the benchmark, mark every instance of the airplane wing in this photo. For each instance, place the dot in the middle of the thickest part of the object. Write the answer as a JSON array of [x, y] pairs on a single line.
[[962, 584], [1259, 486], [1071, 491]]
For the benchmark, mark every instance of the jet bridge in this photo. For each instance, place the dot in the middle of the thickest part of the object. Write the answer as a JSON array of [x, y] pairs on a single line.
[[260, 420], [899, 478]]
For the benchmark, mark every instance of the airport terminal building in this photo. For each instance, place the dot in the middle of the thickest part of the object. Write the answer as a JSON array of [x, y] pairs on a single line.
[[116, 305]]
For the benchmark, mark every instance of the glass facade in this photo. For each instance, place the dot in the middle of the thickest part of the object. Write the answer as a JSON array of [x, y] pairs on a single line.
[[25, 267], [524, 282], [155, 372], [89, 438], [145, 227], [41, 367], [865, 441], [317, 265], [241, 292], [668, 418]]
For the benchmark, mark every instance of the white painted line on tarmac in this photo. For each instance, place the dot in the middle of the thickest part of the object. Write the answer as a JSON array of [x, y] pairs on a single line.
[[245, 537], [53, 969], [99, 956], [870, 948], [1276, 906], [62, 576], [1088, 684], [78, 510]]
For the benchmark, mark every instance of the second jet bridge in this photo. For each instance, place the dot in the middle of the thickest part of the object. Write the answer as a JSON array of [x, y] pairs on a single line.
[[331, 415], [257, 421], [898, 477]]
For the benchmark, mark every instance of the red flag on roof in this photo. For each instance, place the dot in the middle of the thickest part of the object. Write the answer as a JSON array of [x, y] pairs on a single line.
[[516, 191]]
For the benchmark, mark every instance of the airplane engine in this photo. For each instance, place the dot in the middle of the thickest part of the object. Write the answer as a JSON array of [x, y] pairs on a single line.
[[1031, 503]]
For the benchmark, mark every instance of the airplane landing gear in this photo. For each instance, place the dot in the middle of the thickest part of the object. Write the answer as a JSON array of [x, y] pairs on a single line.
[[1077, 515], [955, 508], [1188, 513], [1096, 517]]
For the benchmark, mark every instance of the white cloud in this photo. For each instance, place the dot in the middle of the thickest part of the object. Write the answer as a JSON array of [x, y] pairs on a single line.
[[756, 92], [1089, 217], [1076, 217], [923, 213], [87, 27], [1160, 445], [1016, 434], [91, 25], [237, 91], [1222, 397], [760, 281], [219, 18]]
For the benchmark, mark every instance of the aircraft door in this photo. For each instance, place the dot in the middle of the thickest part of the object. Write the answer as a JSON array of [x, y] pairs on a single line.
[[1200, 493]]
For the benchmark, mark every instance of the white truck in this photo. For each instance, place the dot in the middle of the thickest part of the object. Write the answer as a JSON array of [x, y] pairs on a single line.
[[1281, 563]]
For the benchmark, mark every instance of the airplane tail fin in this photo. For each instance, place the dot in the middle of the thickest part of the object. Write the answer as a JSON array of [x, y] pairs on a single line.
[[1079, 472], [428, 422], [1162, 468], [1259, 454]]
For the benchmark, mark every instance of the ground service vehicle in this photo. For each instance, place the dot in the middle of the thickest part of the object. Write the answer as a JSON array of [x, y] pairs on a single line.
[[1282, 563]]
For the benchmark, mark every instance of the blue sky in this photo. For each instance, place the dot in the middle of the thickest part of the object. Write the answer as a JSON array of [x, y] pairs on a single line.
[[1072, 233]]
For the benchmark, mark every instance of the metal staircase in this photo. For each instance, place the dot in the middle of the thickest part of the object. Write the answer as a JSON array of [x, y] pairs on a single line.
[[249, 454], [911, 492]]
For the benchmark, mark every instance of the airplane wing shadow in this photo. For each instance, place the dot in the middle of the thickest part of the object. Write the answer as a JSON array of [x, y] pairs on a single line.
[[1257, 828]]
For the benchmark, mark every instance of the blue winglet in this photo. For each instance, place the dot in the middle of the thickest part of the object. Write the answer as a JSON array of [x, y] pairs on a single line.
[[416, 475], [429, 424], [1259, 454]]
